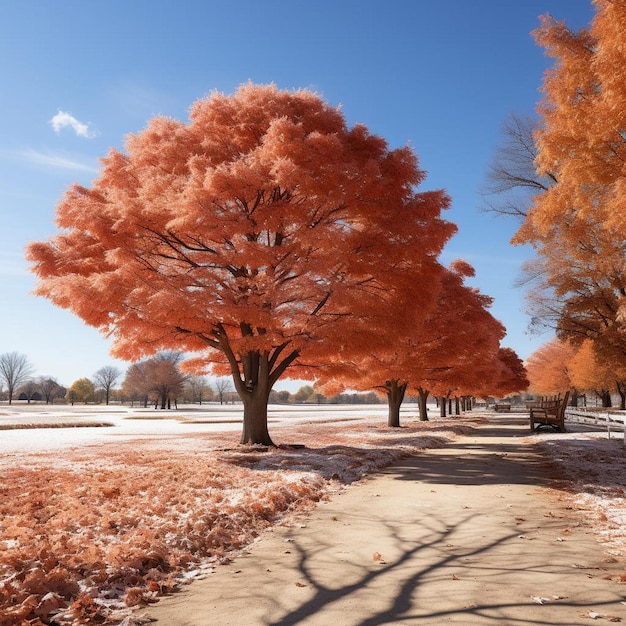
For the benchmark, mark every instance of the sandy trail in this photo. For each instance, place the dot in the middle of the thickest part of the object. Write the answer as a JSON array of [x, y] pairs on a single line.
[[475, 533]]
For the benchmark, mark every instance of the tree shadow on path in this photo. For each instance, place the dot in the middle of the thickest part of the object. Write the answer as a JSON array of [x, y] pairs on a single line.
[[466, 534]]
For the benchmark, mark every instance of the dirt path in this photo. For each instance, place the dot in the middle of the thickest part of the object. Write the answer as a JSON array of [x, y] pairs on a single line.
[[473, 533]]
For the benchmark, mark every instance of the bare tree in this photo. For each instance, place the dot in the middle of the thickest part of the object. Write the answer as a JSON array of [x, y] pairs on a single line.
[[29, 390], [222, 386], [14, 371], [513, 179], [50, 389], [105, 378], [198, 389]]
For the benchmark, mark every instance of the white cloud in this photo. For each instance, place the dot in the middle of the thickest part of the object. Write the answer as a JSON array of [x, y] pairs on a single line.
[[63, 119], [52, 159]]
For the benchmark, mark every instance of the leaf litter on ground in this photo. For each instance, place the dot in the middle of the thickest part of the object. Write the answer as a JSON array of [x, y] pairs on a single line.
[[88, 536]]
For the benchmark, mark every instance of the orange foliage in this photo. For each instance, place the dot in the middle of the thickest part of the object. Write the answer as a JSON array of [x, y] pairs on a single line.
[[590, 372], [549, 368], [459, 351], [510, 377], [86, 538], [260, 234], [577, 226], [449, 347]]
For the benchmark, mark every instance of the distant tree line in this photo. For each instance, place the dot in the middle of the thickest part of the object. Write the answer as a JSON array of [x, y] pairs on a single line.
[[157, 381]]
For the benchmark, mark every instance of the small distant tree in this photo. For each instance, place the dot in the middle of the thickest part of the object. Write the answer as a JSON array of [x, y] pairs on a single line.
[[15, 370], [168, 381], [136, 383], [82, 390], [29, 390], [50, 389], [157, 379], [280, 397], [222, 387], [198, 389], [105, 379], [304, 394]]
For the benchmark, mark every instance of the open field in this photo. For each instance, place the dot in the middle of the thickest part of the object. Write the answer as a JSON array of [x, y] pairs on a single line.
[[132, 422], [97, 521]]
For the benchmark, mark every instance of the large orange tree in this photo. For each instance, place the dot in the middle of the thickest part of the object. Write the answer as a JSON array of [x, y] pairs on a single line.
[[577, 225], [462, 355], [548, 367], [448, 345], [257, 236]]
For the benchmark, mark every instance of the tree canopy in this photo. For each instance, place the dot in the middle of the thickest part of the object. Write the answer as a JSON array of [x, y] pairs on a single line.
[[548, 367], [450, 347], [577, 225], [259, 235]]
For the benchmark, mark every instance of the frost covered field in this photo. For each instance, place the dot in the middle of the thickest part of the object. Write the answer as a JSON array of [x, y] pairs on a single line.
[[96, 521]]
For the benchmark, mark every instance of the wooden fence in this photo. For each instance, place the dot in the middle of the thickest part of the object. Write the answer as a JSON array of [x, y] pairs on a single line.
[[613, 421]]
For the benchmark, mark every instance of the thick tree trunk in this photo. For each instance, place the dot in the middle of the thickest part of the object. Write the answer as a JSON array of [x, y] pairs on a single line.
[[606, 399], [395, 395], [442, 406], [254, 374], [457, 405], [421, 403], [255, 429]]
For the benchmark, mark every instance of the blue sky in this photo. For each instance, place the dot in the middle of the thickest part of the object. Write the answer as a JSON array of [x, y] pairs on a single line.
[[78, 76]]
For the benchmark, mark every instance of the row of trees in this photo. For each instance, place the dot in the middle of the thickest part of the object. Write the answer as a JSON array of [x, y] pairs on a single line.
[[563, 177], [156, 379], [266, 237], [16, 374], [558, 365]]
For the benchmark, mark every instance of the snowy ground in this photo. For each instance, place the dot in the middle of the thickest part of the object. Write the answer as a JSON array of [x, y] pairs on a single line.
[[593, 462], [131, 423], [97, 520]]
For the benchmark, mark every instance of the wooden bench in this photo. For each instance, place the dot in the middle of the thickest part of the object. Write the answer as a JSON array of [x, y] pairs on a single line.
[[502, 407], [549, 412]]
